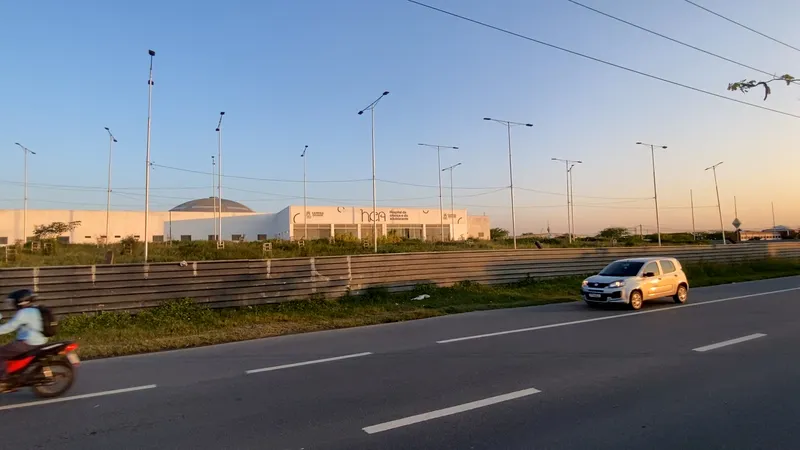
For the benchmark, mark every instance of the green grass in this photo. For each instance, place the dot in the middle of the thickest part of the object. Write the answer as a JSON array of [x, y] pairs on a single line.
[[181, 323], [88, 254]]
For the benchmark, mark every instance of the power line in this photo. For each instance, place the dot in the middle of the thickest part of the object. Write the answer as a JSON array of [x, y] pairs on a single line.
[[743, 26], [276, 180], [671, 39], [602, 61]]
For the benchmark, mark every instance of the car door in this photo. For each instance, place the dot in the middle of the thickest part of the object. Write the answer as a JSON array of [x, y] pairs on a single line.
[[669, 278], [650, 285]]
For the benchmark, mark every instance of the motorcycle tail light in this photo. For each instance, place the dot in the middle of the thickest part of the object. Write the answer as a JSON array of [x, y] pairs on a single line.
[[70, 348]]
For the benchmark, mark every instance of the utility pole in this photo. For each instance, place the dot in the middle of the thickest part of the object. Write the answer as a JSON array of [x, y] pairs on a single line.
[[219, 175], [25, 150], [147, 162], [305, 203], [719, 205], [508, 125], [655, 188], [568, 165], [691, 199], [111, 141], [371, 109]]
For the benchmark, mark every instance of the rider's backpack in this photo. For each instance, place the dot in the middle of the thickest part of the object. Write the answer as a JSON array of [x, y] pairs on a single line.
[[49, 321]]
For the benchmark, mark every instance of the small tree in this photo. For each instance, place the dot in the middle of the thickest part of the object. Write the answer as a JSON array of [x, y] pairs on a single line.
[[614, 233], [498, 233], [746, 85], [54, 230]]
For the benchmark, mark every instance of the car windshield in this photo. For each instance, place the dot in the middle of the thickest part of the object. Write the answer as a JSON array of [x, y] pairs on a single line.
[[622, 269]]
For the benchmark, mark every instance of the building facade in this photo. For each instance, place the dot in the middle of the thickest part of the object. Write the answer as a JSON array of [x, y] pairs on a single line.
[[195, 220]]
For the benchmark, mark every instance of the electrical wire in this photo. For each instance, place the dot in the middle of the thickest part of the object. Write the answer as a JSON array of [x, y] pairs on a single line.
[[671, 39], [602, 61], [743, 26]]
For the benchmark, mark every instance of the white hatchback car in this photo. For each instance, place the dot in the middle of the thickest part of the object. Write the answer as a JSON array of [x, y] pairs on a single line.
[[633, 281]]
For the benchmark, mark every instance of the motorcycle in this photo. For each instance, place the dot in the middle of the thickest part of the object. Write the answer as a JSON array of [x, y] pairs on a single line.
[[49, 370]]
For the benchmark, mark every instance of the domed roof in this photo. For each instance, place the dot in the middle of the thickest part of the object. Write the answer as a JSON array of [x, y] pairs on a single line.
[[207, 205]]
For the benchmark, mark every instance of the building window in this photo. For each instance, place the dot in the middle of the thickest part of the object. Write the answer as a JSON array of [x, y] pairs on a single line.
[[315, 231], [137, 237], [63, 239], [406, 231], [3, 240], [345, 230], [87, 237], [262, 237], [102, 237], [480, 234], [158, 238], [186, 237], [117, 237], [212, 237], [437, 233], [237, 237]]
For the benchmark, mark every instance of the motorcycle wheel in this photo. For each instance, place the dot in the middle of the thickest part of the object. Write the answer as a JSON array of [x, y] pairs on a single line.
[[63, 378]]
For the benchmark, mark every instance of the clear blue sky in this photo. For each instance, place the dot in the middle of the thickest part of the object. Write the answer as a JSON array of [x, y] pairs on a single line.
[[294, 73]]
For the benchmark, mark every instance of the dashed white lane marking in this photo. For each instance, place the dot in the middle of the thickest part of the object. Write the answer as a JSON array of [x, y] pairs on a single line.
[[448, 411], [617, 316], [77, 397], [306, 363], [729, 342]]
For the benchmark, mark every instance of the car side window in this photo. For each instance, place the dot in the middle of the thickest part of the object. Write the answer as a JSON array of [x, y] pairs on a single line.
[[668, 266], [651, 267]]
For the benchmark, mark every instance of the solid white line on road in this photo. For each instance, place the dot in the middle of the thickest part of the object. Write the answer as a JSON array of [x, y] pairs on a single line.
[[77, 397], [306, 363], [730, 342], [448, 411], [617, 316]]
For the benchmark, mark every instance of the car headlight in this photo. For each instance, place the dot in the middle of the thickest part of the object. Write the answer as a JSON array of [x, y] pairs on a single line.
[[585, 283], [617, 284]]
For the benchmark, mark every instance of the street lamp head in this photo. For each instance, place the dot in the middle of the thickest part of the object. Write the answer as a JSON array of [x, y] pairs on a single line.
[[385, 93], [361, 112], [115, 139], [638, 143], [579, 162], [553, 159], [151, 53], [17, 143], [528, 124], [455, 148], [487, 118], [217, 129], [222, 113], [106, 128], [664, 146]]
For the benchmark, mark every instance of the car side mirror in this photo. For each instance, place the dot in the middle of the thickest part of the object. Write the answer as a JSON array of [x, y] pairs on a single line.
[[648, 274]]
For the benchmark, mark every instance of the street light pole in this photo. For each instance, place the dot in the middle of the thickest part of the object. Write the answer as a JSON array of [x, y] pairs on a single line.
[[147, 161], [508, 125], [773, 216], [371, 109], [719, 205], [439, 161], [214, 192], [219, 175], [568, 165], [25, 151], [452, 197], [691, 202], [655, 186], [111, 140], [305, 203], [572, 198]]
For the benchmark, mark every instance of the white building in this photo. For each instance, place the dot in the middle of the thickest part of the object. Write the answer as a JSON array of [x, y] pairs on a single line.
[[194, 221]]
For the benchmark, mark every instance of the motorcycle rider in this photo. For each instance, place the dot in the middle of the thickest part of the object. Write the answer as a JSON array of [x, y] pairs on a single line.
[[27, 322]]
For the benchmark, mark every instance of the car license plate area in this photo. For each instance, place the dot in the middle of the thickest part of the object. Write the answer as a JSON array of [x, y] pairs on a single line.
[[73, 358], [594, 295]]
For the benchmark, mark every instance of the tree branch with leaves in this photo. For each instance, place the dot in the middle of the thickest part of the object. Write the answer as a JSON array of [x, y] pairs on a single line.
[[54, 230], [745, 85]]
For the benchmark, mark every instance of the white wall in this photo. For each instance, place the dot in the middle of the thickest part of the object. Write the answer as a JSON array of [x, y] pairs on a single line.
[[93, 223]]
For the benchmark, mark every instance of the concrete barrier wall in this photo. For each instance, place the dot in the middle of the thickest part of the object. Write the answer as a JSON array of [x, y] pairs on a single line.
[[76, 289]]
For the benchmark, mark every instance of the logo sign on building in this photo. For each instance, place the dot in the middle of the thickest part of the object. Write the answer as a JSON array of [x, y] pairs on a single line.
[[311, 214], [395, 214]]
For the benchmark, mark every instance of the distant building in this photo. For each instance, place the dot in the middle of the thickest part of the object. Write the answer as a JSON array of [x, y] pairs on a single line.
[[194, 221]]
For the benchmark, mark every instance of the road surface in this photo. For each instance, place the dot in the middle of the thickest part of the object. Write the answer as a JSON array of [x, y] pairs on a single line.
[[722, 372]]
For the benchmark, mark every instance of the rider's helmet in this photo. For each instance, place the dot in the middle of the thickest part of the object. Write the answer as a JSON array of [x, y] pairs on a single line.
[[21, 298]]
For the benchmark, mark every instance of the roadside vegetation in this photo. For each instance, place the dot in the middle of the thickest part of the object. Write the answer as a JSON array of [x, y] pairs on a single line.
[[49, 252], [181, 323]]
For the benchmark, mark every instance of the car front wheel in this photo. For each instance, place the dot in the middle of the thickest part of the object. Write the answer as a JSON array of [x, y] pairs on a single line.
[[635, 300]]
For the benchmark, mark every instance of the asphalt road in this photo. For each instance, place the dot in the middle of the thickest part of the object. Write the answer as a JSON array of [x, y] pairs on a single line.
[[722, 372]]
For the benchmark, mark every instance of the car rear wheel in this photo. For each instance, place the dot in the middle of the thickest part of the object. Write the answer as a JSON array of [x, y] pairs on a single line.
[[681, 295], [635, 300]]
